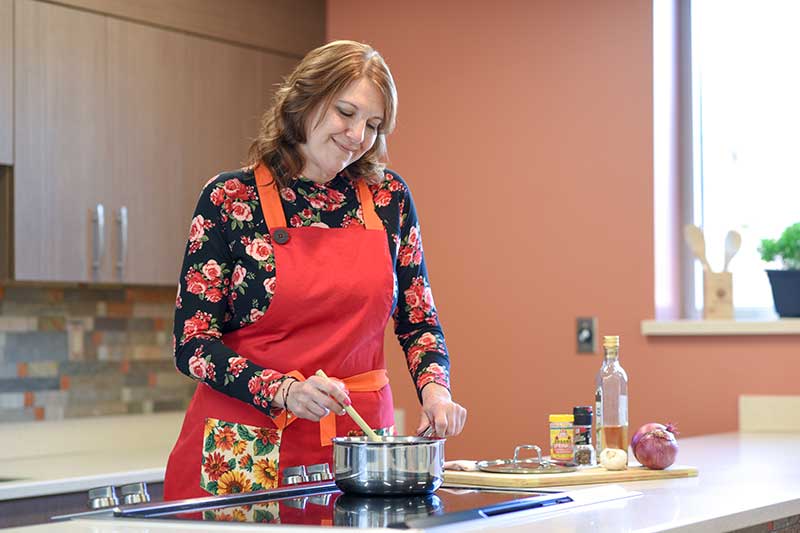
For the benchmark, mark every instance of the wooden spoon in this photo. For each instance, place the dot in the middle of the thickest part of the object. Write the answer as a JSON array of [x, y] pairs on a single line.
[[355, 416], [697, 243], [733, 240]]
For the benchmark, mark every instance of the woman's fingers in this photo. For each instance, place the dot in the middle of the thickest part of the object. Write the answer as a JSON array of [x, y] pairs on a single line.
[[314, 398], [424, 423], [330, 394], [333, 389], [447, 417], [314, 410], [462, 419], [440, 424]]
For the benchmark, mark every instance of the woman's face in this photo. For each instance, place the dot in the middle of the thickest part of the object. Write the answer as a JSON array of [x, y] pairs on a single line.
[[348, 129]]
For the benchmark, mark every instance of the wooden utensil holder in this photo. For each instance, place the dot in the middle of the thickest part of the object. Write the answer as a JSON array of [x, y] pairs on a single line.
[[717, 295]]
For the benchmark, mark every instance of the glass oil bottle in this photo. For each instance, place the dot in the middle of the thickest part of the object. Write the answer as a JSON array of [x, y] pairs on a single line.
[[611, 400]]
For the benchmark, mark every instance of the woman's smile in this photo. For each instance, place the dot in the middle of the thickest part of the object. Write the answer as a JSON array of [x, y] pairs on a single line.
[[348, 151], [351, 123]]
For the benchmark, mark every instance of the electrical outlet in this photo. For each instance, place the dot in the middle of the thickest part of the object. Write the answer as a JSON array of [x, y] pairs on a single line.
[[586, 334]]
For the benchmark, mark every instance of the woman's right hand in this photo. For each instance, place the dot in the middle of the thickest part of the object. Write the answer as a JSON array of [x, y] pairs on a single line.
[[315, 397]]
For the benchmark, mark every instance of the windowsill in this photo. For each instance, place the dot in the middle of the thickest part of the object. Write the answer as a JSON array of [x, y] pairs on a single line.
[[781, 326]]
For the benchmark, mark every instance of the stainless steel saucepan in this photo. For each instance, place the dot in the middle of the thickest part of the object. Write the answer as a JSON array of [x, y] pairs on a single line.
[[390, 466]]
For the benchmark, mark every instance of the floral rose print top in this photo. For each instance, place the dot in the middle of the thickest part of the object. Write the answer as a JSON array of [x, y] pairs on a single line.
[[229, 277]]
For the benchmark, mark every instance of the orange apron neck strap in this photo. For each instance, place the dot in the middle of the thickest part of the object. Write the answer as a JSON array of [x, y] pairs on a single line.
[[273, 209], [371, 219], [270, 198]]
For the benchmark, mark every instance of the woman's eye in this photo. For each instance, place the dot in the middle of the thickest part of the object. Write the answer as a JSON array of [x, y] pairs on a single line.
[[345, 113], [373, 127]]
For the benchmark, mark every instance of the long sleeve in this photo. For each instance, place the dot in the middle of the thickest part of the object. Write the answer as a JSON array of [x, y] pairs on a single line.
[[229, 277], [416, 321], [209, 281]]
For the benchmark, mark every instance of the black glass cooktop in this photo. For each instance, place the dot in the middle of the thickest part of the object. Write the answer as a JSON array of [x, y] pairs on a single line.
[[322, 504]]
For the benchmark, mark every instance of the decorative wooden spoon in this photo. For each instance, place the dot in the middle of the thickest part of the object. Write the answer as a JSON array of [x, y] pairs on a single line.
[[732, 243], [355, 416], [697, 243]]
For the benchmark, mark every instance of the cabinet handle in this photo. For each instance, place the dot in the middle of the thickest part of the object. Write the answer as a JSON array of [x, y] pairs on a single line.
[[99, 241], [122, 220]]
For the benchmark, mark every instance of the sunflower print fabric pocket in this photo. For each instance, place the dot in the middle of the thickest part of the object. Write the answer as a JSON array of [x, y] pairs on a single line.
[[238, 457], [261, 513]]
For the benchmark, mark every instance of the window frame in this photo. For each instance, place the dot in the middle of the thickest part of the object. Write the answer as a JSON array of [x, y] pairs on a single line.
[[691, 176]]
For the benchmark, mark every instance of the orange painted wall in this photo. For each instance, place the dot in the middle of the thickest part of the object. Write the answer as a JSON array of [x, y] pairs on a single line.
[[525, 132]]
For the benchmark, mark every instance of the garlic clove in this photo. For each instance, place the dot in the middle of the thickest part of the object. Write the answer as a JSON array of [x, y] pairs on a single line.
[[614, 459]]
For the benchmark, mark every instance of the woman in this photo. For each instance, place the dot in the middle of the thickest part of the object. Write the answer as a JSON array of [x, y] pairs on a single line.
[[295, 264]]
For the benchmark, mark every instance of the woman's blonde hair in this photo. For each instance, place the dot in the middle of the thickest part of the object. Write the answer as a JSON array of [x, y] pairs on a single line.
[[322, 74]]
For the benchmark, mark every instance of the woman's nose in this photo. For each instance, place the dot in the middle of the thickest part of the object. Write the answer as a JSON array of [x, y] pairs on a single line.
[[356, 132]]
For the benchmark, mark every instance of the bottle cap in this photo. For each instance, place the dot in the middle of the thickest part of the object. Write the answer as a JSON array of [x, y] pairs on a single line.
[[561, 418], [611, 341], [582, 415]]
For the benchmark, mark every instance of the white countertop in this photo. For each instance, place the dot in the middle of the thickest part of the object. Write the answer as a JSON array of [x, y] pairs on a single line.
[[102, 471], [92, 452], [745, 479]]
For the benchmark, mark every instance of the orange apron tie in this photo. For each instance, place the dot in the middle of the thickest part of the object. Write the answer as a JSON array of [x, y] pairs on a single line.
[[371, 381]]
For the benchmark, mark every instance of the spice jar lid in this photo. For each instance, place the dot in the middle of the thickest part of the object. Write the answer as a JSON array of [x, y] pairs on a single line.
[[583, 415], [561, 418]]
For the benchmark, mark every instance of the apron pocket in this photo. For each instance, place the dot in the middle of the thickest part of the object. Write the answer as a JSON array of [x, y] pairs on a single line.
[[238, 457]]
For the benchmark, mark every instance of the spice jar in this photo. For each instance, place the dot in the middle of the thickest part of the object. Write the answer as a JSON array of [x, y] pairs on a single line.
[[582, 421], [562, 438]]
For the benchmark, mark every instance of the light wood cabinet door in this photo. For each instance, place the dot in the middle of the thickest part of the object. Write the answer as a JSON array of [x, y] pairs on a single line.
[[6, 80], [183, 109], [61, 139], [129, 116], [147, 83]]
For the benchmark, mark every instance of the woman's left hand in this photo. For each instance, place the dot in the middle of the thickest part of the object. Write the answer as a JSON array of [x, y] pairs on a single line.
[[440, 411]]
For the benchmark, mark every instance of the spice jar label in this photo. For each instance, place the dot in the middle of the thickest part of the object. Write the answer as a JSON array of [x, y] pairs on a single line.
[[562, 444]]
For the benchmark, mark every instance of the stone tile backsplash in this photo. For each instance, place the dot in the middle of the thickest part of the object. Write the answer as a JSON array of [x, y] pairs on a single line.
[[81, 350]]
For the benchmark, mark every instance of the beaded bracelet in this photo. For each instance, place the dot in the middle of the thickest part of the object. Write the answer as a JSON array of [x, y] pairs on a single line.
[[286, 393]]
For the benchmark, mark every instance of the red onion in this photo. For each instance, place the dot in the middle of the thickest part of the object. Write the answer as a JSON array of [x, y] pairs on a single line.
[[654, 445]]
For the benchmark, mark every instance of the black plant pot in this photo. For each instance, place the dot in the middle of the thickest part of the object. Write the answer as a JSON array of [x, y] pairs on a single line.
[[785, 291]]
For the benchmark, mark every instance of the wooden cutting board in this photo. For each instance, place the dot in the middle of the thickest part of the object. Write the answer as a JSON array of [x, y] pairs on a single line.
[[583, 476]]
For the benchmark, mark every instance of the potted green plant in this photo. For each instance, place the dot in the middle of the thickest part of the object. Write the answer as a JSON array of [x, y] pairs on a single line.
[[786, 282]]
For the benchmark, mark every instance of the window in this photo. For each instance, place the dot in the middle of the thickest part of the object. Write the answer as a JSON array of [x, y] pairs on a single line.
[[745, 87]]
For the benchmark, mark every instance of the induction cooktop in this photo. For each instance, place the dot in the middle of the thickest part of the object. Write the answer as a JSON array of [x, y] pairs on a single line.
[[322, 504]]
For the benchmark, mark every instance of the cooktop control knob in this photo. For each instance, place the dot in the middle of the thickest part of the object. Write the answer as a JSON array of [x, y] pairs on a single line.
[[102, 497], [320, 472], [134, 493], [294, 475]]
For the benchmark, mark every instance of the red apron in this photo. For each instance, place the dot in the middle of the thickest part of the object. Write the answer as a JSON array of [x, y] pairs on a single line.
[[332, 300]]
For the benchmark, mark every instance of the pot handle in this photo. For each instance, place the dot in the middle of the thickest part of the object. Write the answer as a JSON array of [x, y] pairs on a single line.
[[427, 432]]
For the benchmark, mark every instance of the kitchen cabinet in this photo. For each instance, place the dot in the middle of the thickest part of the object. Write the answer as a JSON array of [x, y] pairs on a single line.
[[61, 138], [183, 108], [6, 70], [137, 118], [291, 27]]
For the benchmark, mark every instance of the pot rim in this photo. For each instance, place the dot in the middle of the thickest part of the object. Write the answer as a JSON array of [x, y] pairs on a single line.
[[403, 440]]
